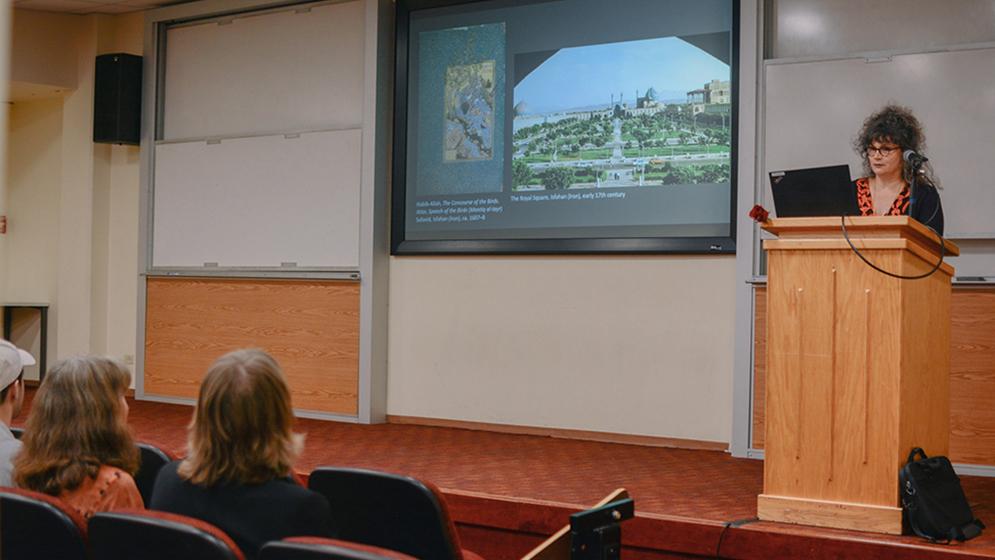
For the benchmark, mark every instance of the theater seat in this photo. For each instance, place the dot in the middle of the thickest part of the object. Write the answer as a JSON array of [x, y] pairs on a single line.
[[35, 525], [156, 535], [317, 548], [390, 511], [153, 459]]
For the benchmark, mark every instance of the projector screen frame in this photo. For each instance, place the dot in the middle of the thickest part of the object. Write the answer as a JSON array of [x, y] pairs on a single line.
[[400, 245]]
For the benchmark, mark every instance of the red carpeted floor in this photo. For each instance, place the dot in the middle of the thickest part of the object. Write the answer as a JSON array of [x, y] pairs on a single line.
[[502, 484]]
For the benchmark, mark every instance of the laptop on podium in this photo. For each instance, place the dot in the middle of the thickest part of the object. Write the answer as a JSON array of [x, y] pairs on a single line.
[[816, 191]]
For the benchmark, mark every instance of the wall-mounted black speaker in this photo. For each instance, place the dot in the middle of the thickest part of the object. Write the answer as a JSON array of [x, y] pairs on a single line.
[[117, 99]]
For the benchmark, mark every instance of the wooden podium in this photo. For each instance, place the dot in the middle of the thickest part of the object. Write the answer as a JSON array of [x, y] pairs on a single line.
[[858, 368]]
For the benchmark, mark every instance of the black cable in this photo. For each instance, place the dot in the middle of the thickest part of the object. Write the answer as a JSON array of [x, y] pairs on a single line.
[[725, 528], [939, 263]]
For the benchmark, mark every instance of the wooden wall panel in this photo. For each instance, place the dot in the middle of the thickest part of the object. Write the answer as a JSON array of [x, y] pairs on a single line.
[[972, 374], [311, 327]]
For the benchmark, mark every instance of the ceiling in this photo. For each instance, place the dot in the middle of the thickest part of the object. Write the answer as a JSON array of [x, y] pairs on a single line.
[[90, 6]]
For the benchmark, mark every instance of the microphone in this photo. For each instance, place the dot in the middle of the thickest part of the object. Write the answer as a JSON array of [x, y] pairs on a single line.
[[915, 159]]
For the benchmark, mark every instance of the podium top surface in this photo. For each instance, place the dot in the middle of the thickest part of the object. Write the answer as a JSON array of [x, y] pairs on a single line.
[[860, 228]]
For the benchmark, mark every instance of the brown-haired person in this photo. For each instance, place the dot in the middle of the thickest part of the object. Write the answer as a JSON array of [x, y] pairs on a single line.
[[241, 449], [77, 444], [882, 141]]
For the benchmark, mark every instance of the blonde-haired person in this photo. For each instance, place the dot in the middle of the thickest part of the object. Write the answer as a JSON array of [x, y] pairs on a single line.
[[77, 444], [241, 449]]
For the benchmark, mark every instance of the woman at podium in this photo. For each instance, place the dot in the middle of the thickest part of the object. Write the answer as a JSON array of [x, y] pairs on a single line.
[[890, 143]]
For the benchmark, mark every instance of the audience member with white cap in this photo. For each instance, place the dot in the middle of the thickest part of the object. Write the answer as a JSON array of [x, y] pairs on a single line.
[[12, 363]]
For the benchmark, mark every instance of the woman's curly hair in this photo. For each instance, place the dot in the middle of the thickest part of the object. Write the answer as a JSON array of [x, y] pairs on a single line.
[[895, 124]]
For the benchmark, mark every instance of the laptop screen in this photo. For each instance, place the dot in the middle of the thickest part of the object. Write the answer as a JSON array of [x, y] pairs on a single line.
[[816, 191]]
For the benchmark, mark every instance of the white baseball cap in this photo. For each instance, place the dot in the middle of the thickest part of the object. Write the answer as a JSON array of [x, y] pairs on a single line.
[[12, 361]]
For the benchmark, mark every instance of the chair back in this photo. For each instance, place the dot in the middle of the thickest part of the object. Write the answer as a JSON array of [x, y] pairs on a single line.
[[389, 511], [156, 535], [36, 525], [153, 459], [318, 548], [17, 432]]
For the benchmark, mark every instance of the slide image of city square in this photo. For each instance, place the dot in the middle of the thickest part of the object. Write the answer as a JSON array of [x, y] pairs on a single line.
[[469, 112], [645, 113]]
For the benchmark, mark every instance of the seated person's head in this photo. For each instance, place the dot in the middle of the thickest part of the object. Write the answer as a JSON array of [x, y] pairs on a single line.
[[242, 427], [12, 363], [78, 422]]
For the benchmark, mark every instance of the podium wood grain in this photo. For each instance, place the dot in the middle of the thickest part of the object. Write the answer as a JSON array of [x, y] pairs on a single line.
[[310, 327], [972, 373], [857, 370]]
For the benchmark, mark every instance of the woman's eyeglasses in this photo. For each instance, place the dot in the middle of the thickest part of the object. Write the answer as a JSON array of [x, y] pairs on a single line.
[[882, 151]]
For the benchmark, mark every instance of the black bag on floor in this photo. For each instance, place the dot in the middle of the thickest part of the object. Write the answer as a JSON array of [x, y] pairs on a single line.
[[933, 502]]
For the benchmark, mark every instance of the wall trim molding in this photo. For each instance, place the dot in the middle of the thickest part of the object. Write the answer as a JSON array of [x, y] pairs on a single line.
[[563, 433]]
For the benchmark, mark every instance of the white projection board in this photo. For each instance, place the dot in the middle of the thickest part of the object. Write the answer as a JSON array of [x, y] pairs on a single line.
[[293, 69], [258, 202], [813, 111]]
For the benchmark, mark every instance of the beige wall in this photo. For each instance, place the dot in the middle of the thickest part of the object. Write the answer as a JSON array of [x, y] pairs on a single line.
[[635, 345], [72, 204], [34, 164], [122, 33], [43, 50], [122, 249], [31, 263], [5, 13]]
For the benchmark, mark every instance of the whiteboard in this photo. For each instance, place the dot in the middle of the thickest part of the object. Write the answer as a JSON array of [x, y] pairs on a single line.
[[295, 69], [813, 111], [258, 202]]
